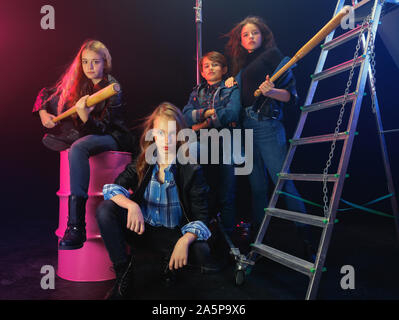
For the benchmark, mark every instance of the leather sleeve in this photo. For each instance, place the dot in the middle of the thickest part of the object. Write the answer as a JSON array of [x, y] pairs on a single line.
[[128, 178], [41, 102]]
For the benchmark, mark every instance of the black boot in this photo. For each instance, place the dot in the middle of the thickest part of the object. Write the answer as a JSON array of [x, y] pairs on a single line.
[[75, 234], [123, 287]]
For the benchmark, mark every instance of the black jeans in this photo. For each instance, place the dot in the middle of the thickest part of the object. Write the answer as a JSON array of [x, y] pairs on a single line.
[[112, 221]]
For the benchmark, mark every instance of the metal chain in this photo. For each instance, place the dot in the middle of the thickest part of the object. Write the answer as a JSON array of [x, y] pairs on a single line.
[[371, 50], [367, 23]]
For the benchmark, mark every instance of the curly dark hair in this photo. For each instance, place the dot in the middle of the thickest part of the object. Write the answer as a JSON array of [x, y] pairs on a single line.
[[234, 48]]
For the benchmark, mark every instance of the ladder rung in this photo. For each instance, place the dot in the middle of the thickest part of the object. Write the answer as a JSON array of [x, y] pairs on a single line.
[[298, 217], [337, 69], [318, 139], [308, 177], [343, 38], [328, 103], [283, 258]]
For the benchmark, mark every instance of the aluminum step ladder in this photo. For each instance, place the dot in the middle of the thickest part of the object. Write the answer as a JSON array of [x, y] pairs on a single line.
[[326, 222]]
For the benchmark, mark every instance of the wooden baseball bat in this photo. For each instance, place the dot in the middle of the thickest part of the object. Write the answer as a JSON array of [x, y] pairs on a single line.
[[95, 98], [322, 34]]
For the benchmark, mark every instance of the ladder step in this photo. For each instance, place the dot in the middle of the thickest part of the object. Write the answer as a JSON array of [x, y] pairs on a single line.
[[328, 103], [308, 177], [298, 217], [318, 139], [343, 38], [337, 69], [283, 258]]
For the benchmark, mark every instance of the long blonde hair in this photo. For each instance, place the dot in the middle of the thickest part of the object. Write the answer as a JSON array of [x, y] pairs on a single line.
[[167, 110], [73, 84]]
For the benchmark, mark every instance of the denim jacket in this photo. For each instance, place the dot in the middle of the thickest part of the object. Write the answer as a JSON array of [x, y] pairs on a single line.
[[226, 102]]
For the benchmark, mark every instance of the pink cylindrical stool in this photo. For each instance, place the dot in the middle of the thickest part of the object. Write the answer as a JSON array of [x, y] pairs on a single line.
[[91, 262]]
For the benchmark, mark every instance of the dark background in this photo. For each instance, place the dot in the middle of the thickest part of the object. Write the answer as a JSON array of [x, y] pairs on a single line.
[[152, 44]]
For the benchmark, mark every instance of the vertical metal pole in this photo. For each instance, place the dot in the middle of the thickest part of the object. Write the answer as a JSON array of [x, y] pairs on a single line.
[[198, 23]]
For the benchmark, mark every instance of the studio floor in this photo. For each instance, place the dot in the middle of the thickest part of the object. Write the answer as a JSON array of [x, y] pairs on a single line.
[[364, 241]]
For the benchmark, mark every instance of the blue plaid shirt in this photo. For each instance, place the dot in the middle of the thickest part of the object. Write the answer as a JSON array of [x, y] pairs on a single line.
[[161, 204]]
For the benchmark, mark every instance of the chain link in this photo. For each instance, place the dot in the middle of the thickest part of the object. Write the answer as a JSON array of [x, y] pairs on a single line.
[[371, 50], [366, 25]]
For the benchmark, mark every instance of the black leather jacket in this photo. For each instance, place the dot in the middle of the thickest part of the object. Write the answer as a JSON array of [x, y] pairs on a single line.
[[108, 117], [192, 187]]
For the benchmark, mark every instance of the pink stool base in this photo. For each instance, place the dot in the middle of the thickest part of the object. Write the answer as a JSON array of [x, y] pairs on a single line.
[[91, 262], [87, 264]]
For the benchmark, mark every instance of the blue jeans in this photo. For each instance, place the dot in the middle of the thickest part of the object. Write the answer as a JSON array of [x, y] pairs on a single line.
[[79, 168], [270, 150]]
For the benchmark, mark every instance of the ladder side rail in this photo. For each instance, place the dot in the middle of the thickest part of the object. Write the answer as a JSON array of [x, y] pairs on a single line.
[[263, 227], [314, 281], [383, 146], [344, 161]]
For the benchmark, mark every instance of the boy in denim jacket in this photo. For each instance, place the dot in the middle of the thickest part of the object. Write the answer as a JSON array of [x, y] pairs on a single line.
[[213, 105]]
